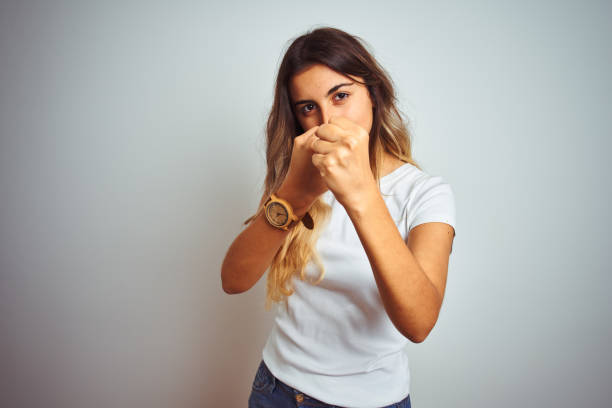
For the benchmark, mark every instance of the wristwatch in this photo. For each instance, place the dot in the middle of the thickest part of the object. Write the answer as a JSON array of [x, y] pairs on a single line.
[[279, 214]]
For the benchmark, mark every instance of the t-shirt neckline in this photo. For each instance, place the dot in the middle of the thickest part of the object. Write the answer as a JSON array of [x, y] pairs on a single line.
[[394, 174]]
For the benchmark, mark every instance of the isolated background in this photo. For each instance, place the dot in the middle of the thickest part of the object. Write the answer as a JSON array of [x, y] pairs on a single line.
[[132, 150]]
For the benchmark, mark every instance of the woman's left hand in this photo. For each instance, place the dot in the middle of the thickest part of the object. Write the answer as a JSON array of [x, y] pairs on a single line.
[[341, 154]]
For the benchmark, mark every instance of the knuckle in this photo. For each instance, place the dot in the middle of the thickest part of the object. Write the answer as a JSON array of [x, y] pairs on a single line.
[[299, 140], [350, 142], [343, 157], [329, 161], [312, 141]]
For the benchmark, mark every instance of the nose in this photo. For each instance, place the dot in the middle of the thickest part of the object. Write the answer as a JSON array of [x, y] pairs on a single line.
[[325, 114]]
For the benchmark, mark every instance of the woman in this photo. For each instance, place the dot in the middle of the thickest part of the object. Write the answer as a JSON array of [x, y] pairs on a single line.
[[356, 236]]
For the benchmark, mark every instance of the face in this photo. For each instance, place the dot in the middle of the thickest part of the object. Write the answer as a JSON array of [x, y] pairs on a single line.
[[319, 92]]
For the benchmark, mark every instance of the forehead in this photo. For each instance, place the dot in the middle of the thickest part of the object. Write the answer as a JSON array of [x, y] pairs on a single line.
[[316, 80]]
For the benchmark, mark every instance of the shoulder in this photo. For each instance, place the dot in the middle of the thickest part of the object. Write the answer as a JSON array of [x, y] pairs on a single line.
[[407, 183], [429, 185], [417, 196], [410, 182], [431, 199]]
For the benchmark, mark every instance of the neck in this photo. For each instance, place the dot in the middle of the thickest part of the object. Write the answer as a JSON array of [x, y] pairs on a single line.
[[390, 163]]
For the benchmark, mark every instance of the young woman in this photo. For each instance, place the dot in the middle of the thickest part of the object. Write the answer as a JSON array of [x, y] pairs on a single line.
[[355, 235]]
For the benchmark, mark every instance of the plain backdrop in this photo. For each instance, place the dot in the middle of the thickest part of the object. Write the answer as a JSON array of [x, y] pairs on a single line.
[[132, 149]]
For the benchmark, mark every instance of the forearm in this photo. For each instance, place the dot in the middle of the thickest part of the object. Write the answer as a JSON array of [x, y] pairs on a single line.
[[253, 250], [250, 255], [410, 298]]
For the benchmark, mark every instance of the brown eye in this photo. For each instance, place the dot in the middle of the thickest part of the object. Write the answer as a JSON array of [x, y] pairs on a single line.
[[307, 108], [341, 95]]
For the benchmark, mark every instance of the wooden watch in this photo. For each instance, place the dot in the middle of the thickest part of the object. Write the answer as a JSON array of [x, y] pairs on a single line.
[[279, 214]]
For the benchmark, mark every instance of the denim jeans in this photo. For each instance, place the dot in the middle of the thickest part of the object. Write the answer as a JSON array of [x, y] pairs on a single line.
[[270, 392]]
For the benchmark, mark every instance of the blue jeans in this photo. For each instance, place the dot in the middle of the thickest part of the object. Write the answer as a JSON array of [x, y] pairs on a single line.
[[270, 392]]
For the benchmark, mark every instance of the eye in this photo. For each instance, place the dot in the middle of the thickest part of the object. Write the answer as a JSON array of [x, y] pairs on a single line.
[[307, 108], [341, 96]]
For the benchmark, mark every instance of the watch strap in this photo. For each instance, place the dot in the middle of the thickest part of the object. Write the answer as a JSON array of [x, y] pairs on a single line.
[[294, 220]]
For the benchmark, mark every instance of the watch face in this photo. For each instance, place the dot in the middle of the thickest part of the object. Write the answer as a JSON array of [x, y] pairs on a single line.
[[277, 214]]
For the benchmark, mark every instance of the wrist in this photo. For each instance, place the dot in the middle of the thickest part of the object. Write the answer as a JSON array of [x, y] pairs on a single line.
[[361, 205], [300, 203]]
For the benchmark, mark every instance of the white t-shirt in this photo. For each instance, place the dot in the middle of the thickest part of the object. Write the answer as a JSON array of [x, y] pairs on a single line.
[[335, 341]]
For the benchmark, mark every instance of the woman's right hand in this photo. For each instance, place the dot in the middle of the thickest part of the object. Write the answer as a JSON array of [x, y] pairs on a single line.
[[303, 183]]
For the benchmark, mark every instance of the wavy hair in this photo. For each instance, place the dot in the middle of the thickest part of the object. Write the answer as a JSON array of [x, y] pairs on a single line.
[[346, 54]]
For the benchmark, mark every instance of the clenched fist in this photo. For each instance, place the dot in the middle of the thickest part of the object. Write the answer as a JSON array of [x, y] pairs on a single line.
[[341, 157]]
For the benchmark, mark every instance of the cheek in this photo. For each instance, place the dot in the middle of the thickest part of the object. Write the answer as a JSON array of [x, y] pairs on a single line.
[[301, 121], [308, 122], [362, 115]]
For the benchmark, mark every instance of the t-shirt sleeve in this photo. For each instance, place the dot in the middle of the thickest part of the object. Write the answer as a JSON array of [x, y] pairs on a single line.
[[433, 201]]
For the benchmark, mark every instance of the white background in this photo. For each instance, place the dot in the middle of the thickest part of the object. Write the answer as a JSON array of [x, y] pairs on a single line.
[[132, 150]]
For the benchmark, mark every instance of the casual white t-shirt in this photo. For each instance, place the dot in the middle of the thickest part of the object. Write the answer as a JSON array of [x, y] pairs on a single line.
[[335, 341]]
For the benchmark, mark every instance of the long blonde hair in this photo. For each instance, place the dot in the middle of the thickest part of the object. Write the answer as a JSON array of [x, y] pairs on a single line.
[[346, 54]]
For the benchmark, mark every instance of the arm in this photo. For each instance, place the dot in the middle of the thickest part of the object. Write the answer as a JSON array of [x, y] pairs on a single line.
[[252, 251], [411, 278]]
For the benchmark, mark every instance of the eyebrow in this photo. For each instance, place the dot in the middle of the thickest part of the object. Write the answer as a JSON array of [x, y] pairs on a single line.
[[331, 90]]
